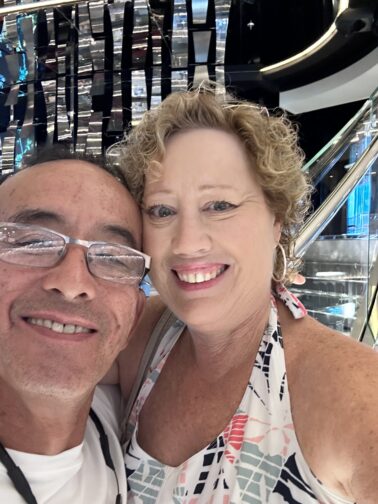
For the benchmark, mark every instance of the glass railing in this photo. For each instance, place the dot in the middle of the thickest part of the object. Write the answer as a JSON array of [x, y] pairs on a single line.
[[339, 242]]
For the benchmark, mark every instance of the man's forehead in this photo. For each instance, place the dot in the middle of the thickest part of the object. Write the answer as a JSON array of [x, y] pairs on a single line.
[[77, 191], [75, 176]]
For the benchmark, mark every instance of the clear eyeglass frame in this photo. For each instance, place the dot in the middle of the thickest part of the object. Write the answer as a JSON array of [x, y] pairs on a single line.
[[42, 247]]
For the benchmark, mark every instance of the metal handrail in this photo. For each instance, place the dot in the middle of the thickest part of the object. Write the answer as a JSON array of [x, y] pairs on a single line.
[[323, 215], [312, 49]]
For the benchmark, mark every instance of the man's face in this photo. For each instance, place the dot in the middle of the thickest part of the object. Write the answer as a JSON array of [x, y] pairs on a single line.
[[85, 202]]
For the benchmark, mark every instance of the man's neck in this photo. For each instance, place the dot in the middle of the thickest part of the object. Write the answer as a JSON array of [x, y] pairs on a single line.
[[42, 425]]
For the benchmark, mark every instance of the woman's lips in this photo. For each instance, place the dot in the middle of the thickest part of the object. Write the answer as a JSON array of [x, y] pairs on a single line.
[[195, 276], [201, 275]]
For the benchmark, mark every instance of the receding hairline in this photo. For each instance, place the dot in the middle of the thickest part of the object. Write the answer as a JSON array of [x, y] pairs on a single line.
[[63, 163]]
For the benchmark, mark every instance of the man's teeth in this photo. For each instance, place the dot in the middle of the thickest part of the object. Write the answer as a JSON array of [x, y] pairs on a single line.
[[57, 327], [200, 276]]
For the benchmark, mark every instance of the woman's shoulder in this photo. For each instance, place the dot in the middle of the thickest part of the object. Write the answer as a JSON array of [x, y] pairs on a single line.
[[333, 384], [130, 358], [315, 346]]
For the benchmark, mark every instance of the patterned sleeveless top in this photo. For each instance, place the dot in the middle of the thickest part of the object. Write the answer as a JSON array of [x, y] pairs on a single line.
[[255, 460]]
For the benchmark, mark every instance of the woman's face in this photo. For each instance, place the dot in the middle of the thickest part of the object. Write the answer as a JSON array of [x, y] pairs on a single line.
[[209, 230]]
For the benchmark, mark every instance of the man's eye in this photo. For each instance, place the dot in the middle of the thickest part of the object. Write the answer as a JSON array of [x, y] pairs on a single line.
[[159, 211], [30, 242], [220, 206]]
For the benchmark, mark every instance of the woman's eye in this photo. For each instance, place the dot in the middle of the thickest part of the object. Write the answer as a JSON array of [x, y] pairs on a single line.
[[220, 206], [159, 211]]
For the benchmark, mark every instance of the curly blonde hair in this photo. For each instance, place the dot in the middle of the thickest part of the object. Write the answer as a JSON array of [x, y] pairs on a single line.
[[270, 142]]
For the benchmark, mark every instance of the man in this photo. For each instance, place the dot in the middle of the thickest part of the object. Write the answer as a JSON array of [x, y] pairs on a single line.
[[67, 306]]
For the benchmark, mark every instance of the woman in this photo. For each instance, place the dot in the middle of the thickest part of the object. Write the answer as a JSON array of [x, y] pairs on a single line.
[[247, 399]]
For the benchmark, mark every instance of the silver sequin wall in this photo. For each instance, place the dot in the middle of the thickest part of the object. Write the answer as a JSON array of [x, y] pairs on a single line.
[[81, 74]]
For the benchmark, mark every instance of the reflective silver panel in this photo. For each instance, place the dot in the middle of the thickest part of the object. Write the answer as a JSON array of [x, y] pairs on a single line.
[[84, 40], [12, 97], [201, 41], [50, 59], [157, 35], [179, 80], [97, 49], [179, 35], [94, 140], [84, 102], [96, 12], [116, 11], [63, 123], [26, 30], [222, 12], [62, 48], [9, 31], [26, 138], [199, 11], [219, 77], [10, 66], [98, 84], [156, 87], [8, 165], [116, 116], [140, 33], [138, 95], [201, 74], [49, 93]]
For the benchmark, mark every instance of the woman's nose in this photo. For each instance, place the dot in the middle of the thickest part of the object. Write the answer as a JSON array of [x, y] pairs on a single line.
[[191, 237]]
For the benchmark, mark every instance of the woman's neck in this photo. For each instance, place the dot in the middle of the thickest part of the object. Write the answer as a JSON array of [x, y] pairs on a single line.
[[219, 351]]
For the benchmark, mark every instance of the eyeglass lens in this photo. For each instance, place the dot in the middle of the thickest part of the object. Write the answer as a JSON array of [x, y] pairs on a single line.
[[30, 246]]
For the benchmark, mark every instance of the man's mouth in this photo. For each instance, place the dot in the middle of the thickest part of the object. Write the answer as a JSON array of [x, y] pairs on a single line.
[[57, 326], [201, 275]]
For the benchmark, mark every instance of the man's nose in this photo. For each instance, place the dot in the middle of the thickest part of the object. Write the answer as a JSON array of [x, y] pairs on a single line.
[[191, 237], [71, 277]]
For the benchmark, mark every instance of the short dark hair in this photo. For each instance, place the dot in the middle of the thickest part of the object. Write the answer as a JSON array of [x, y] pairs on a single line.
[[59, 152]]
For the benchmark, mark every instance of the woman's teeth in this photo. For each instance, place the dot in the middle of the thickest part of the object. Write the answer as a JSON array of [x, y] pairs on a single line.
[[200, 276], [58, 327]]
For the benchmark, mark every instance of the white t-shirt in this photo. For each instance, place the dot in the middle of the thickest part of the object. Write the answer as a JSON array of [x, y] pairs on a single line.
[[78, 475]]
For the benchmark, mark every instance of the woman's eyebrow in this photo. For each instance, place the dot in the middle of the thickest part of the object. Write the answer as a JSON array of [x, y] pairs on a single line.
[[206, 187]]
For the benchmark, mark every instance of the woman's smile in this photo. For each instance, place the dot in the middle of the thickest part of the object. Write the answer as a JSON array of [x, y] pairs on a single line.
[[194, 277]]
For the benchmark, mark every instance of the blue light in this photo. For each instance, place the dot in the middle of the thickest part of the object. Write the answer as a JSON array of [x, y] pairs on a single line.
[[358, 203]]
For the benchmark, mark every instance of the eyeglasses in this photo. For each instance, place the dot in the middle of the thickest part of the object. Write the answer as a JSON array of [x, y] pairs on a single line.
[[35, 246]]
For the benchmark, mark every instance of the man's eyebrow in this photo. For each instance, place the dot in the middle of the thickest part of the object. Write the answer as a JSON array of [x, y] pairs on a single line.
[[35, 215], [40, 216], [123, 233]]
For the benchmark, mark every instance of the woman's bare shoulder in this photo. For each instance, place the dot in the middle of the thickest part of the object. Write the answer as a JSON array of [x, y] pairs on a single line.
[[333, 383], [129, 359]]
